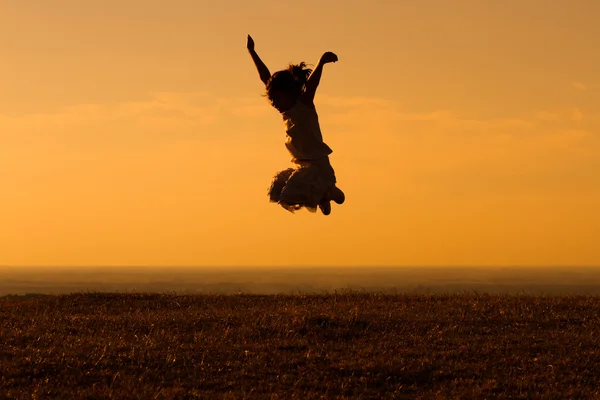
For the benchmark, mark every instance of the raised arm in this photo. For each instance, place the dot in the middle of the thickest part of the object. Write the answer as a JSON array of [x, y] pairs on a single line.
[[315, 77], [263, 71]]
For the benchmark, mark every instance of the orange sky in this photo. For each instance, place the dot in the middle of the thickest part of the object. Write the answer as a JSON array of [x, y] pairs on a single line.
[[464, 133]]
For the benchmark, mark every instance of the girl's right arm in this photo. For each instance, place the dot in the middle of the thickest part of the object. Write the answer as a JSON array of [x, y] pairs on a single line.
[[263, 71]]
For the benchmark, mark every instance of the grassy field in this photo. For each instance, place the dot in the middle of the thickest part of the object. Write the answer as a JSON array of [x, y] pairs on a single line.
[[349, 345]]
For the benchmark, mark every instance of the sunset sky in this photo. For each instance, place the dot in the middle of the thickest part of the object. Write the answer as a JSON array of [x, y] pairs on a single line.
[[464, 132]]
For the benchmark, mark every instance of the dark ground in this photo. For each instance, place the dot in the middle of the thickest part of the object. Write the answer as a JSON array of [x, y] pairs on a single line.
[[347, 345]]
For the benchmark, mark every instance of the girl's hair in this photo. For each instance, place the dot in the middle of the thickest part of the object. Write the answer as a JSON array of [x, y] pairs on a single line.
[[290, 80]]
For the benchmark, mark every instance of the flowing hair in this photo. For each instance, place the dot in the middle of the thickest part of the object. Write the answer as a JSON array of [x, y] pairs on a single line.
[[291, 80]]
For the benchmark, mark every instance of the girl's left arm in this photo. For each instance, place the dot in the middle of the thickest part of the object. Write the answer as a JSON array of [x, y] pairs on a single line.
[[315, 78]]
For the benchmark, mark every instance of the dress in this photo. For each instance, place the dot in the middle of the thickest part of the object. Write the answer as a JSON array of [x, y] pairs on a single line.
[[306, 183]]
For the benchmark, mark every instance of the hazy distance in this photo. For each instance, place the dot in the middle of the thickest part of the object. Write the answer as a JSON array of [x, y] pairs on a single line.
[[509, 280]]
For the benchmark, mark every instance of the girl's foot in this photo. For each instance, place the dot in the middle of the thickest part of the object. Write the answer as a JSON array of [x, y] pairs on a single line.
[[325, 207], [336, 194]]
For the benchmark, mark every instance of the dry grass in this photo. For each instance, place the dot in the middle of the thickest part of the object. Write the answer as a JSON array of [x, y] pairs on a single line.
[[328, 346]]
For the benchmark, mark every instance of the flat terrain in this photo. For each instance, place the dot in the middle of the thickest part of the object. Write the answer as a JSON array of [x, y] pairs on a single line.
[[348, 345]]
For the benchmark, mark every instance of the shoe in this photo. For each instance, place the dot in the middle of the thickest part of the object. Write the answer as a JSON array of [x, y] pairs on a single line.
[[336, 194], [325, 207]]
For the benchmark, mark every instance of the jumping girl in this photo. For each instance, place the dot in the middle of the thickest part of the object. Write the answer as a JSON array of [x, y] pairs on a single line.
[[311, 182]]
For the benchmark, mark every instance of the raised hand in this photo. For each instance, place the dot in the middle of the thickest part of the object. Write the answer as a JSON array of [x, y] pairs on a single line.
[[328, 57], [263, 71]]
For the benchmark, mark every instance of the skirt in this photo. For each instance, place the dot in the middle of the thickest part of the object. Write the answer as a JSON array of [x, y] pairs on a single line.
[[303, 185]]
